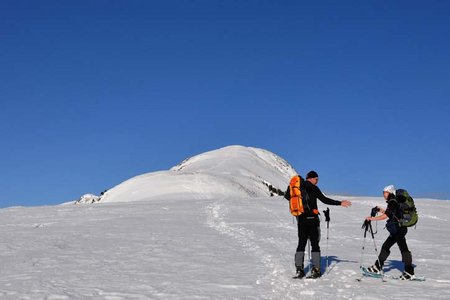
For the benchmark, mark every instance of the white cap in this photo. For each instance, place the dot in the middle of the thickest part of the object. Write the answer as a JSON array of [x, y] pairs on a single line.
[[390, 189]]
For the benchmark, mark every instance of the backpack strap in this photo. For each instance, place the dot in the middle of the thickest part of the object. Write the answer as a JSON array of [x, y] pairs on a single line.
[[394, 216]]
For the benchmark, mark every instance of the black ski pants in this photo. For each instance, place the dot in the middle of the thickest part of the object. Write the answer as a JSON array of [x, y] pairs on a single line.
[[308, 228], [400, 239]]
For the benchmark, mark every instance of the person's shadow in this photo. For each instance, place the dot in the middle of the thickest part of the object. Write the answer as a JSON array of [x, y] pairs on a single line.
[[332, 262], [328, 266], [390, 265]]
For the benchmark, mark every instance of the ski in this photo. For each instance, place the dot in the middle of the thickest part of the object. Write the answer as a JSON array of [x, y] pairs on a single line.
[[366, 273], [415, 278], [309, 276], [306, 277], [312, 278]]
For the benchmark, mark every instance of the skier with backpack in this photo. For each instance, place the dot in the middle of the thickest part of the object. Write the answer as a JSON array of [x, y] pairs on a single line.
[[303, 195], [401, 214]]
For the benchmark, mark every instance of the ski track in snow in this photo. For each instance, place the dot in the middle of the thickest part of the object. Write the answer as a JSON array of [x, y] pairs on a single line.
[[280, 285]]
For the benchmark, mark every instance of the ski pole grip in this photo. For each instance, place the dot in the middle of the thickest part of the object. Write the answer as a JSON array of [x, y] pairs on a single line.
[[327, 214]]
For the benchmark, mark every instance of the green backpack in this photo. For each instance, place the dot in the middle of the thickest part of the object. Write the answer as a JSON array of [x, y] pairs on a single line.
[[407, 207]]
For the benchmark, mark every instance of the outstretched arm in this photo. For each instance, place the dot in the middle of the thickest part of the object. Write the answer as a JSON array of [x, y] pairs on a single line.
[[326, 200]]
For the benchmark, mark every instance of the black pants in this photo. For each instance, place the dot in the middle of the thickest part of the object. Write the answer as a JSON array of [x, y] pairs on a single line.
[[308, 228], [398, 238]]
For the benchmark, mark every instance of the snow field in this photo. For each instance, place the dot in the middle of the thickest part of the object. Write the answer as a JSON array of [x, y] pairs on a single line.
[[207, 229], [225, 248]]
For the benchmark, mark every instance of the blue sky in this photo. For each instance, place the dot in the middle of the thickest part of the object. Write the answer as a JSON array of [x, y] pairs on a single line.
[[95, 92]]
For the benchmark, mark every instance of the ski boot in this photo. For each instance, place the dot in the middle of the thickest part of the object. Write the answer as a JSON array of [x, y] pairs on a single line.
[[374, 269], [315, 273], [300, 273], [408, 273], [407, 276]]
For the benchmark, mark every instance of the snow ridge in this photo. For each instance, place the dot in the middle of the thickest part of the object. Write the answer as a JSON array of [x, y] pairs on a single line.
[[230, 171]]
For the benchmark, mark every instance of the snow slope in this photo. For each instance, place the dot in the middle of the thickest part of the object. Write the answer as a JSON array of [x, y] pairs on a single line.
[[206, 246], [223, 248]]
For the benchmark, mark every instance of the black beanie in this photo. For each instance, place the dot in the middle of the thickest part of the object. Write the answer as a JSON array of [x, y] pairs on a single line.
[[312, 174]]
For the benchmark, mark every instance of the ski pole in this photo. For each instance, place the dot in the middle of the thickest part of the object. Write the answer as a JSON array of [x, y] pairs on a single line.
[[327, 219], [376, 250], [365, 226], [309, 255]]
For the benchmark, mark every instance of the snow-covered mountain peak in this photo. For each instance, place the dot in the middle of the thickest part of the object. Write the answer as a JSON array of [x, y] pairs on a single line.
[[235, 159], [229, 171]]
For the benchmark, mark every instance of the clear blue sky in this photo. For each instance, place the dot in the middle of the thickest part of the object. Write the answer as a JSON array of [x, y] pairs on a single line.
[[95, 92]]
